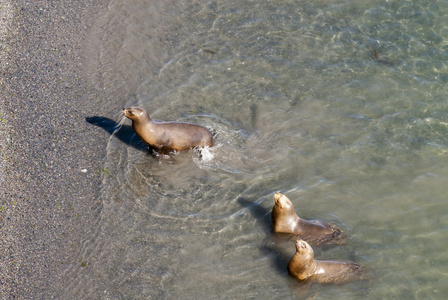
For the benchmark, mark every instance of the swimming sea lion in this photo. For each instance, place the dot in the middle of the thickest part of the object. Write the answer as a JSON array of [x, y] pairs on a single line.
[[285, 220], [166, 136], [304, 267]]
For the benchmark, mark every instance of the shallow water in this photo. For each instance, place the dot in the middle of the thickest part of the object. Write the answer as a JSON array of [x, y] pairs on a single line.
[[340, 105]]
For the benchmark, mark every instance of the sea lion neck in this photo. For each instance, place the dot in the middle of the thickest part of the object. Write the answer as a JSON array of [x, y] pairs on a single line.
[[302, 267], [310, 270]]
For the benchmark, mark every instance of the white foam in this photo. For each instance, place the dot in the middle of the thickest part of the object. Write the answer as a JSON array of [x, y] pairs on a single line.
[[207, 154]]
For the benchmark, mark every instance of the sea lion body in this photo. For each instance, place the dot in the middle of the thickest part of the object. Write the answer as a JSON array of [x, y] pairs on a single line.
[[304, 267], [166, 136], [284, 219]]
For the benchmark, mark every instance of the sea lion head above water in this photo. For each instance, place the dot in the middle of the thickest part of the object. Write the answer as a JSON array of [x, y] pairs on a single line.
[[283, 217], [282, 202], [167, 136], [136, 114]]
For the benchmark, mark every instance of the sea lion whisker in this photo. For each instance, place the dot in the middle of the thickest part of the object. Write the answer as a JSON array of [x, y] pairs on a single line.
[[119, 124]]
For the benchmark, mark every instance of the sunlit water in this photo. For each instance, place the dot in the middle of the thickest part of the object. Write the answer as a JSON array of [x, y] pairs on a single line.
[[340, 105]]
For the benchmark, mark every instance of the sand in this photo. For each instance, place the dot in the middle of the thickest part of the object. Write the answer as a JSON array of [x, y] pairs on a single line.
[[50, 157]]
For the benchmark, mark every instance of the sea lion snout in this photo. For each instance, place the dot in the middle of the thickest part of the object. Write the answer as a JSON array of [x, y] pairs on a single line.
[[277, 197], [301, 244], [127, 111], [281, 201]]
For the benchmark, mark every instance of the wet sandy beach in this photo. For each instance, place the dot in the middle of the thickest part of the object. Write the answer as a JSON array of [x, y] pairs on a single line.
[[50, 156]]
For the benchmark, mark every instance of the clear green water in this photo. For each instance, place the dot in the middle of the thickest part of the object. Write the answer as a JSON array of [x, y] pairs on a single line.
[[300, 105]]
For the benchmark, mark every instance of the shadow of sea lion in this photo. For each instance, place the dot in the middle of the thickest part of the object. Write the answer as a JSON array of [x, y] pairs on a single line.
[[124, 133], [280, 250]]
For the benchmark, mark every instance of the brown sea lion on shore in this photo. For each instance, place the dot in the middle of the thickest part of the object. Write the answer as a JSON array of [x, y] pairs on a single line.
[[304, 267], [167, 136], [285, 221]]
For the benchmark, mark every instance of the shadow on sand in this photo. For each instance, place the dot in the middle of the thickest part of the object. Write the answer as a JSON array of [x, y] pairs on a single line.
[[124, 133]]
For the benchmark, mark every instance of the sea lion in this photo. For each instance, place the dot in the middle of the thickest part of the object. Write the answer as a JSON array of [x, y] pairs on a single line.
[[166, 136], [304, 267], [285, 220]]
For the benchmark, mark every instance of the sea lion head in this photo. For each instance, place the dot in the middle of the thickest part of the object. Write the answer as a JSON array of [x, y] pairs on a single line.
[[282, 202], [304, 250], [135, 113], [283, 217], [302, 264]]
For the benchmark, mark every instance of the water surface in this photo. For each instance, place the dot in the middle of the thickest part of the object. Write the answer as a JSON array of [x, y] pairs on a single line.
[[340, 105]]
